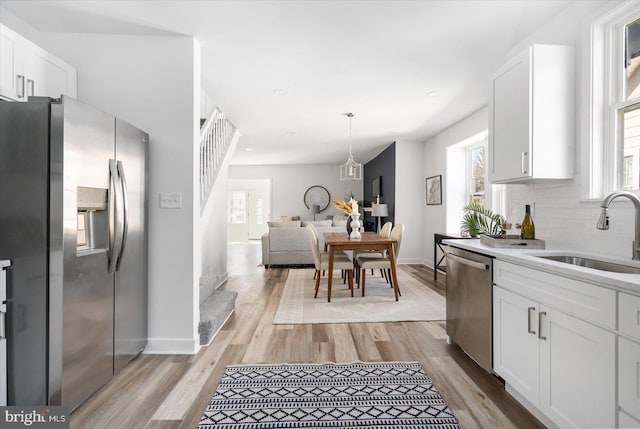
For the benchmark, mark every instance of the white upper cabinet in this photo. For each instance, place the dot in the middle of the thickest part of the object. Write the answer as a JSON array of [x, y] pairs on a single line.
[[532, 116], [26, 69]]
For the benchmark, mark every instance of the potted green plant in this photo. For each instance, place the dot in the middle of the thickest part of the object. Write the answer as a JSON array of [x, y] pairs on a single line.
[[478, 220]]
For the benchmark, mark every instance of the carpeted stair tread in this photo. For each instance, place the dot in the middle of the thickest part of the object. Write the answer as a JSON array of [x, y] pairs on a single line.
[[213, 312]]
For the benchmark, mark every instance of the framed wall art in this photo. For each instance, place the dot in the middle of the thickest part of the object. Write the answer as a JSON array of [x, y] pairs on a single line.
[[434, 190]]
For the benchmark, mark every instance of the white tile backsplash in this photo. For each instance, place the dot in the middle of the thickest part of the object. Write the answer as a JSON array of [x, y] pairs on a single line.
[[564, 220]]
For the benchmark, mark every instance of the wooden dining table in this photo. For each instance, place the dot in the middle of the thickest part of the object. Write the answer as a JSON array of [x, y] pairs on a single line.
[[337, 241]]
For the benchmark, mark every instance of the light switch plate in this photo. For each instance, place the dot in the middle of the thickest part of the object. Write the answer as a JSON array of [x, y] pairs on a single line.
[[170, 200]]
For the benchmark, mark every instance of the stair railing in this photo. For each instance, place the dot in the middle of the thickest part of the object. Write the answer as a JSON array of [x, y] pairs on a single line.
[[215, 138]]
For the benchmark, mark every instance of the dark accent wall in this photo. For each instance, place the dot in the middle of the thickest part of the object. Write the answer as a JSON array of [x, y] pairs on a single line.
[[384, 166]]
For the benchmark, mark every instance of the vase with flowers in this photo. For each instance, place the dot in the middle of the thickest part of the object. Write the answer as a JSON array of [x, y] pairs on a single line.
[[351, 209]]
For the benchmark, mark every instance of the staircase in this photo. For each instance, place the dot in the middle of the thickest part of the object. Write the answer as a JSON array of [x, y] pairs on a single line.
[[216, 136], [215, 309]]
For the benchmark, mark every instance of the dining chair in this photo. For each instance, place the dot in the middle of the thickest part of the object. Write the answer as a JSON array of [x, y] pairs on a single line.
[[321, 261], [384, 231], [364, 262]]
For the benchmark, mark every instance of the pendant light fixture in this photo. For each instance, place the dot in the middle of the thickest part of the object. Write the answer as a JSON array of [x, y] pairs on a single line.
[[350, 170]]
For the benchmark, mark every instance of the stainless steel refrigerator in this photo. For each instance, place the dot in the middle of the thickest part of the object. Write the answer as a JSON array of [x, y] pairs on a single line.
[[73, 215]]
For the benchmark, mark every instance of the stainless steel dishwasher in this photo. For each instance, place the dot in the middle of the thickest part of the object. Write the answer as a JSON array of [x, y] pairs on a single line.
[[469, 284]]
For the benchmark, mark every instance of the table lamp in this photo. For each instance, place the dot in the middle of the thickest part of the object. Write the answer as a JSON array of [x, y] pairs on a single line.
[[380, 211]]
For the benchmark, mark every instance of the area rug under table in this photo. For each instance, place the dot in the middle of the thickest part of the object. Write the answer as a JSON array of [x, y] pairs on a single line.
[[356, 395], [297, 304]]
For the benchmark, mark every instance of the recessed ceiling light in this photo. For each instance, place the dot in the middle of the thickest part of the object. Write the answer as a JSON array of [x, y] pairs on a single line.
[[280, 92], [432, 94], [248, 149]]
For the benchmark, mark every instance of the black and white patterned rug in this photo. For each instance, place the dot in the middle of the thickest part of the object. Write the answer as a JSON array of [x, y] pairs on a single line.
[[356, 395]]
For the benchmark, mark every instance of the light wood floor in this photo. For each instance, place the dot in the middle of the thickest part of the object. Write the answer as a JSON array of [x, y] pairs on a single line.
[[169, 391]]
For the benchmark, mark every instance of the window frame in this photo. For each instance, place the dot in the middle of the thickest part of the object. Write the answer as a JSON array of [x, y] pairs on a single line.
[[604, 160], [484, 145]]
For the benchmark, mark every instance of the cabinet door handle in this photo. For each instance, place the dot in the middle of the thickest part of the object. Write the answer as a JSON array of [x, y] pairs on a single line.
[[542, 313], [31, 87], [523, 166], [20, 84], [529, 330]]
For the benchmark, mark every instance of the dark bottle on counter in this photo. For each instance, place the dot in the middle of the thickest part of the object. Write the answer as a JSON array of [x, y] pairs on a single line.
[[528, 229]]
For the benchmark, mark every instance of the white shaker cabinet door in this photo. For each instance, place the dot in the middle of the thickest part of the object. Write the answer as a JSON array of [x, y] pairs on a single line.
[[26, 70], [510, 120], [12, 83], [629, 377], [515, 342], [47, 75], [577, 372]]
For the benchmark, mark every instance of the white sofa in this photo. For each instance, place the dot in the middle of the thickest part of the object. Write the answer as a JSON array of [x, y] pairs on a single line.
[[287, 244]]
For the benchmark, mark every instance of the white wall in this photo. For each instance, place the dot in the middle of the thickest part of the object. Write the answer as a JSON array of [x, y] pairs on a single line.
[[563, 216], [153, 83], [410, 204], [435, 161], [214, 226], [289, 183]]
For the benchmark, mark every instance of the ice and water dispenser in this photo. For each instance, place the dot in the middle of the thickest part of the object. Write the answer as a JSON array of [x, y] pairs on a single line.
[[93, 220]]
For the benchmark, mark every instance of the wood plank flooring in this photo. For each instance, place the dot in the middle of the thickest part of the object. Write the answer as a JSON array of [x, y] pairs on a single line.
[[169, 391]]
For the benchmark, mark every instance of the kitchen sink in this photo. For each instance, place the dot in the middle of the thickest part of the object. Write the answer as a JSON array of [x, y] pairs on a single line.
[[592, 263]]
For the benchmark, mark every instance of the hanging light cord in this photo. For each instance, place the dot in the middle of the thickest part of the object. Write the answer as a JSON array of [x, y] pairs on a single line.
[[349, 115]]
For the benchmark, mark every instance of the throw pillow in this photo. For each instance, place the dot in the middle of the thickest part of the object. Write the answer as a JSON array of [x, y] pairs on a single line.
[[317, 223], [337, 222], [284, 224], [283, 218]]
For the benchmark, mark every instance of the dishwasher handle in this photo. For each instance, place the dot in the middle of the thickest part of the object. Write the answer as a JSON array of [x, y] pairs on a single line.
[[468, 262]]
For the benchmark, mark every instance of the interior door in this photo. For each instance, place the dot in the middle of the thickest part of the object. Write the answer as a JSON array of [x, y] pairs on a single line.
[[257, 213]]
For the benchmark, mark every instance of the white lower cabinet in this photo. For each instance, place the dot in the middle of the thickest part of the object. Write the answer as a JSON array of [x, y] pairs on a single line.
[[516, 346], [562, 365], [577, 372], [629, 383]]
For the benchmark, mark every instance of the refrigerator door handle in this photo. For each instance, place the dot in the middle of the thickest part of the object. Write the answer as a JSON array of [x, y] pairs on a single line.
[[125, 213], [116, 233]]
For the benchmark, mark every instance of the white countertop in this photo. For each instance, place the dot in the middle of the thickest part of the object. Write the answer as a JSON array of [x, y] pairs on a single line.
[[4, 263], [527, 257]]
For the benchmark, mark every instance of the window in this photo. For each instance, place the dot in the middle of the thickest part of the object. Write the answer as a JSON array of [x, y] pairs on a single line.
[[627, 166], [476, 173], [467, 181], [237, 207], [615, 122], [627, 109]]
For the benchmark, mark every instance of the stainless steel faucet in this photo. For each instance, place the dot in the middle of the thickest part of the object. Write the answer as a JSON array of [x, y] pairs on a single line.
[[603, 221]]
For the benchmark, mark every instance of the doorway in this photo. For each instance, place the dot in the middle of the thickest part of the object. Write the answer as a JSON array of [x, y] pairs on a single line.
[[249, 208]]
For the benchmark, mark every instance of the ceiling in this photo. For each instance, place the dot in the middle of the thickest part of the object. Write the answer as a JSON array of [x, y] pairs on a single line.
[[285, 72]]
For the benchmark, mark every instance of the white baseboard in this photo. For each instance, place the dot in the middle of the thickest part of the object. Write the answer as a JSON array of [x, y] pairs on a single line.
[[412, 261], [172, 346]]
